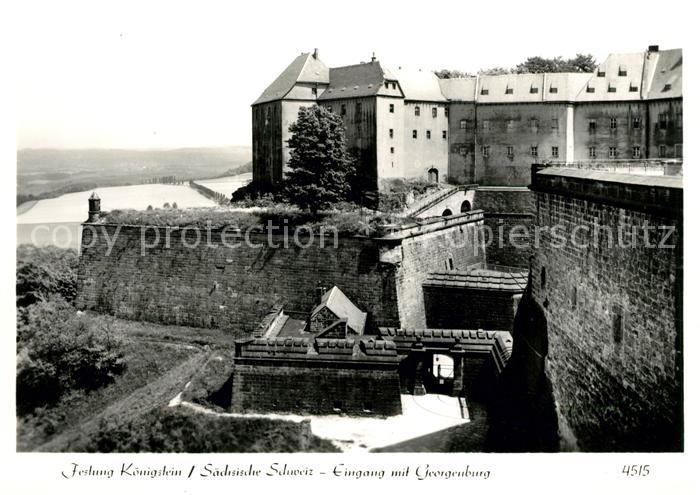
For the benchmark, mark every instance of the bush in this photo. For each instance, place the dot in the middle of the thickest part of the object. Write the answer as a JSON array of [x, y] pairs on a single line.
[[45, 271], [179, 430], [60, 351]]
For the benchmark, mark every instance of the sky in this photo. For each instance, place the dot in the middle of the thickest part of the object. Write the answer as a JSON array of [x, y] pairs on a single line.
[[183, 74]]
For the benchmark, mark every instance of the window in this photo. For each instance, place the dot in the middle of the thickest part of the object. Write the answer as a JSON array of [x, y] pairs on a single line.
[[444, 134], [446, 213], [509, 151], [427, 134], [612, 152], [510, 124], [555, 151], [612, 89], [591, 125], [463, 150], [485, 151], [358, 108], [484, 91], [574, 297], [415, 134], [343, 110], [678, 150], [667, 87], [553, 89], [534, 124], [386, 84], [391, 133], [555, 123], [591, 152], [634, 88], [534, 90], [416, 111], [487, 125], [393, 85], [601, 72], [543, 277], [391, 108], [447, 112], [463, 124], [533, 151], [314, 91], [613, 122], [509, 91], [434, 112], [451, 263], [662, 151], [392, 150], [636, 122], [636, 152], [622, 71], [663, 122], [618, 323], [590, 89]]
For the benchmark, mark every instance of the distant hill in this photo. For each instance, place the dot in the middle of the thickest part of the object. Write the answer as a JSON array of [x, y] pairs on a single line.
[[46, 171]]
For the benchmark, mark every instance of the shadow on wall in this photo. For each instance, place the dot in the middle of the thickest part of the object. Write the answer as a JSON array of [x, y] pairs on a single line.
[[522, 412]]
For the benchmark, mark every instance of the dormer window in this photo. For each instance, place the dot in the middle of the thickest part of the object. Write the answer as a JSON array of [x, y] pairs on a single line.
[[484, 91], [534, 89], [386, 84], [393, 85], [634, 87], [590, 89], [622, 71], [612, 89], [416, 111], [601, 72], [553, 89], [509, 90], [667, 87]]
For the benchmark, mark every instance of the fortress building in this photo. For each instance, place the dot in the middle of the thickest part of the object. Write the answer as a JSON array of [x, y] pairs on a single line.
[[486, 129]]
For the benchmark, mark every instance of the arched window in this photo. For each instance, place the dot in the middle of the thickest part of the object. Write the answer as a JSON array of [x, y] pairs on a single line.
[[466, 206], [447, 212], [433, 175]]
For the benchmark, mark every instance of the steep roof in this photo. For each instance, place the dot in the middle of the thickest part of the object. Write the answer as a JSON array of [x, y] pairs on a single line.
[[419, 85], [667, 78], [306, 68], [458, 89], [619, 77], [354, 81], [342, 307]]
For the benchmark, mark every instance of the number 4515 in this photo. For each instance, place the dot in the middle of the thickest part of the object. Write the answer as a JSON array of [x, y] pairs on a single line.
[[635, 470]]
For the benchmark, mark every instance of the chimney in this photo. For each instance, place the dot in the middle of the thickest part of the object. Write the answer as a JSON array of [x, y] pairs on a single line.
[[374, 59], [93, 208], [653, 48], [315, 53]]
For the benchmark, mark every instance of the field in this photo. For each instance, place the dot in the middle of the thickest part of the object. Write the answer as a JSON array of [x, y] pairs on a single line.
[[226, 185], [41, 171]]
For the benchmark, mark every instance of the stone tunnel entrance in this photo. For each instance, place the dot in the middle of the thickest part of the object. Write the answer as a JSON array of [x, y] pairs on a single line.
[[462, 363]]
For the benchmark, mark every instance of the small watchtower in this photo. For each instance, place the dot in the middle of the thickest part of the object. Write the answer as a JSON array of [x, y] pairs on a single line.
[[93, 208]]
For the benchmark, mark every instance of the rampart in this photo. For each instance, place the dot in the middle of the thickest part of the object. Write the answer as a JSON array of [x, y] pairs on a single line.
[[612, 306]]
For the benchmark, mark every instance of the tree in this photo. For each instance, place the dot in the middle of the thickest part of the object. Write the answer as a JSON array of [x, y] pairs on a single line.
[[537, 65], [494, 71], [451, 74], [320, 166]]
